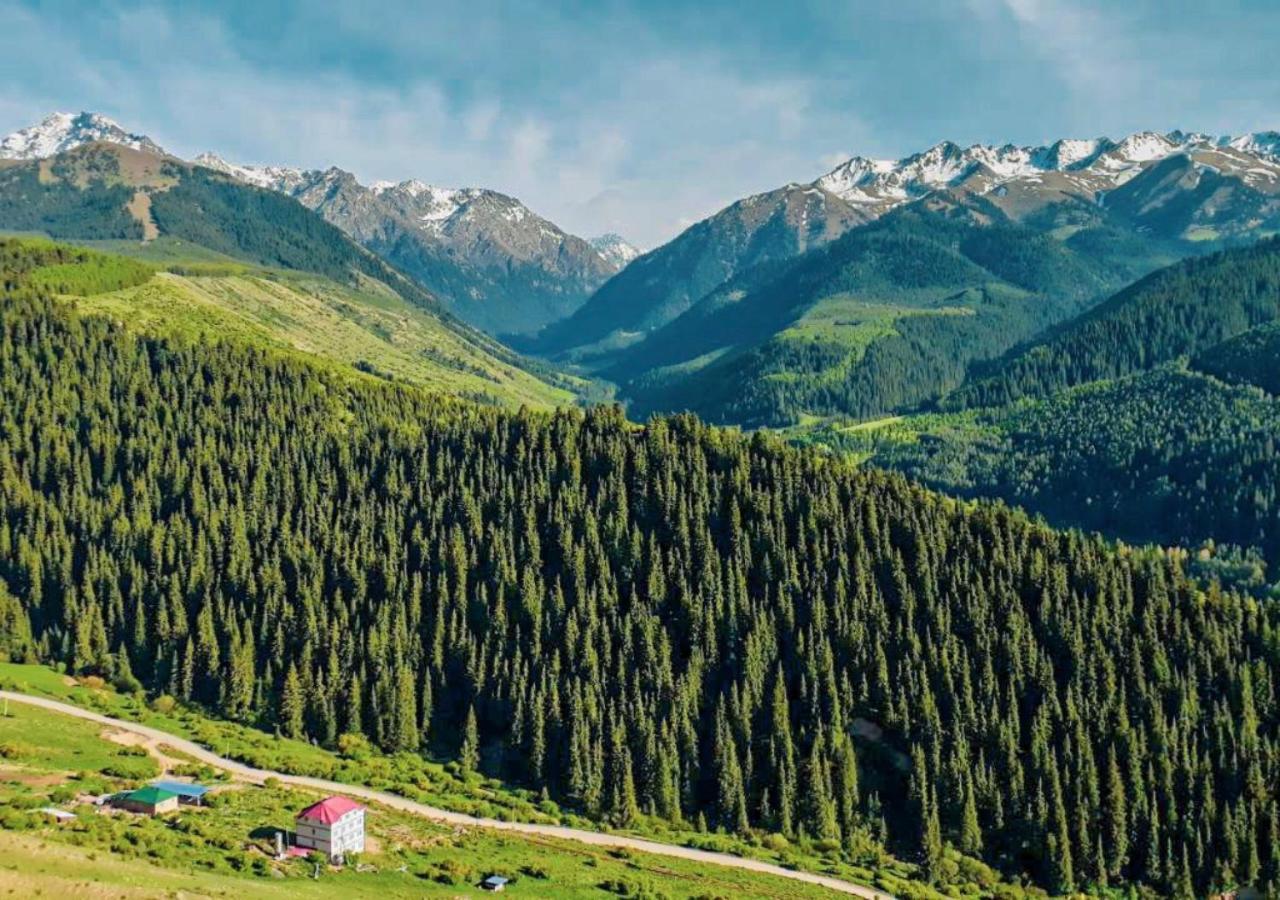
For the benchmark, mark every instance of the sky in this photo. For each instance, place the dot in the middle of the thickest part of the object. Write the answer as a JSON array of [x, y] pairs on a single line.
[[639, 118]]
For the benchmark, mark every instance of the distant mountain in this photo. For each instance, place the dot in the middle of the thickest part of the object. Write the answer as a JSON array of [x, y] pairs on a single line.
[[496, 264], [1221, 184], [63, 131], [662, 284], [615, 249], [259, 242], [491, 260], [887, 317], [1174, 189]]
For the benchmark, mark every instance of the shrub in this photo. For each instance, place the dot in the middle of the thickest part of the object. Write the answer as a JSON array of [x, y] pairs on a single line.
[[164, 704], [354, 746]]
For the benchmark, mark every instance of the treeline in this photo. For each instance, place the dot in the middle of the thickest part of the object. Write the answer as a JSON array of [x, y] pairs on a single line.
[[671, 619], [1178, 311], [34, 266]]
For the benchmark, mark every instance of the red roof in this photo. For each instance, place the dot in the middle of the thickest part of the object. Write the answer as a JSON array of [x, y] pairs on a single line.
[[329, 810]]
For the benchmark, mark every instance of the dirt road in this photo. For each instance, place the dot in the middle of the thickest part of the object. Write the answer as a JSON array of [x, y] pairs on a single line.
[[257, 776]]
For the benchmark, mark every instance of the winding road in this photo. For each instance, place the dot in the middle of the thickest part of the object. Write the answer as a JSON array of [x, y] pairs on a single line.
[[258, 776]]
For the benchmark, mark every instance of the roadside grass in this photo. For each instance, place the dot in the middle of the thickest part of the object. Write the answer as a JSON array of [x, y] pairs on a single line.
[[226, 848], [445, 785]]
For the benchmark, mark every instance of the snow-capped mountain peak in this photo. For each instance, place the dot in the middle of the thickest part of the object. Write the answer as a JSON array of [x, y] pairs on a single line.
[[614, 249], [271, 177], [1091, 165], [62, 131]]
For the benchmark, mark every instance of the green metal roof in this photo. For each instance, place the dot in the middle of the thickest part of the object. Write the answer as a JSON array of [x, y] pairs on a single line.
[[150, 795]]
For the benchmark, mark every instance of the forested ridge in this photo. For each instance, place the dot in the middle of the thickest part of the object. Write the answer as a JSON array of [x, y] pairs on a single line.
[[888, 317], [1181, 310], [673, 619], [1170, 456]]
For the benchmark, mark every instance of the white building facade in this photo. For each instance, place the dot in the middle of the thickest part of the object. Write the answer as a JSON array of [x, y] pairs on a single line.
[[334, 827]]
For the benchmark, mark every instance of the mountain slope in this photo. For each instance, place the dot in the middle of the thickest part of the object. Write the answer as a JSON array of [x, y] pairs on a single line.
[[498, 265], [1170, 456], [356, 332], [1250, 358], [674, 620], [660, 285], [160, 207], [1177, 311], [891, 315], [1180, 193], [1153, 417]]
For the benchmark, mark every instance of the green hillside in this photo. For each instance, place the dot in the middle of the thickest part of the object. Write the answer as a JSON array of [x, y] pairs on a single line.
[[1171, 456], [1178, 311], [372, 330], [674, 621], [364, 330], [888, 317]]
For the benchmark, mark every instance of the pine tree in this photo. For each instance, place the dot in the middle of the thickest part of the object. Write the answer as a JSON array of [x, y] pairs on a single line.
[[291, 705], [469, 751]]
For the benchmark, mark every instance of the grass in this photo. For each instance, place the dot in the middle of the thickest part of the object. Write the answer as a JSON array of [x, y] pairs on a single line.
[[369, 329], [444, 785], [226, 848]]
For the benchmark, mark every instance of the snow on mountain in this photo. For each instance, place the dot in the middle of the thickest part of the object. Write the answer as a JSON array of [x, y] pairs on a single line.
[[614, 249], [63, 131], [276, 178], [1093, 165]]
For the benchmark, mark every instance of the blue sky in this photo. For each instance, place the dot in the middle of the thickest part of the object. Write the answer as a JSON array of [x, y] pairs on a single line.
[[635, 117]]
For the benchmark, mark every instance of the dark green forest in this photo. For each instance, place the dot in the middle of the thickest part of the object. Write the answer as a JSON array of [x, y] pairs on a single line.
[[673, 618], [1179, 311], [1171, 456], [1250, 358]]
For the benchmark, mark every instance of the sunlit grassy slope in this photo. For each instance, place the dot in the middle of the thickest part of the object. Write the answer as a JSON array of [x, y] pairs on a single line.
[[369, 328]]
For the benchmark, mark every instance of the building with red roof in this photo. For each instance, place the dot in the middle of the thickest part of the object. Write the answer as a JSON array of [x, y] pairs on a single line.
[[334, 826]]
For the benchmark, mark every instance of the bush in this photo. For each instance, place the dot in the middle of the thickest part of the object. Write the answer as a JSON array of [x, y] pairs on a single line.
[[775, 842], [164, 704], [354, 746]]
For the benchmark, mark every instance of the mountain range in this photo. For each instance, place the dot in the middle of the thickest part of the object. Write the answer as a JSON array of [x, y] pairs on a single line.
[[491, 260], [857, 294]]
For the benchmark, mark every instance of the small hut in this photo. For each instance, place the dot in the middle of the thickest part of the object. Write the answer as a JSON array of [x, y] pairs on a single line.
[[494, 883], [150, 801]]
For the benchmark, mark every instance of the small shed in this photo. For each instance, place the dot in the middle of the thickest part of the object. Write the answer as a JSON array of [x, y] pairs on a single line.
[[187, 791], [494, 883], [58, 815], [150, 801]]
